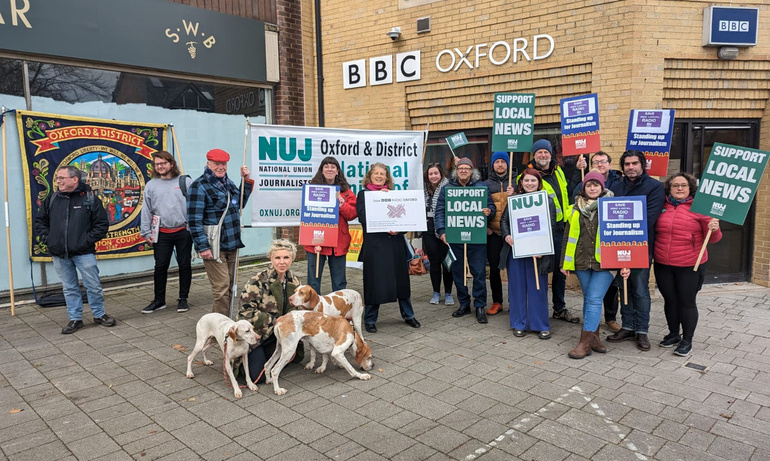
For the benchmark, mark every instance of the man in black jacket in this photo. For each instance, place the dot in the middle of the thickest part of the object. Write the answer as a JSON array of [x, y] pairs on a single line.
[[70, 222]]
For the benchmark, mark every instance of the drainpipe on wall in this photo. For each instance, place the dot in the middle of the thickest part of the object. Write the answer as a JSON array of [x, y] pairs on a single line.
[[319, 63]]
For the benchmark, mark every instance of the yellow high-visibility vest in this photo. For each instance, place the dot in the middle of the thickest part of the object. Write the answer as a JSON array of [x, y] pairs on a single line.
[[572, 238], [562, 181]]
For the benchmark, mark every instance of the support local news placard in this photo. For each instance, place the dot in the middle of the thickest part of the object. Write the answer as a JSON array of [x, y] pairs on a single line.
[[623, 232], [729, 182], [319, 215], [649, 131], [580, 125], [465, 221], [530, 224], [395, 211], [514, 122]]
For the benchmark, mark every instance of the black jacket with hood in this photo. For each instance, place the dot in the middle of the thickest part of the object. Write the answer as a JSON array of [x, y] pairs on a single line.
[[70, 223]]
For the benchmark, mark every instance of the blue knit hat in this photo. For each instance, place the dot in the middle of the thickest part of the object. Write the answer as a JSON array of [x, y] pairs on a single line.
[[542, 144], [499, 156]]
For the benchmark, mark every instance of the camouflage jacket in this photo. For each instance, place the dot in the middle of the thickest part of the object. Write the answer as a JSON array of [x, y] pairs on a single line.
[[262, 300]]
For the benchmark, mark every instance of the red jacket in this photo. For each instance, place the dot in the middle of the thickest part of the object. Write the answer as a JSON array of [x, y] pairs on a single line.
[[679, 235], [347, 213]]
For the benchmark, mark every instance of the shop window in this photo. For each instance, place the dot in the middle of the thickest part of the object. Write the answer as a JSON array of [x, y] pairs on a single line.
[[11, 77]]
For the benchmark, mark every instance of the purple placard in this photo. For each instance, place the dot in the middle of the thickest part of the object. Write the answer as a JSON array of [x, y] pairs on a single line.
[[651, 119], [620, 211], [528, 224], [576, 108], [318, 194]]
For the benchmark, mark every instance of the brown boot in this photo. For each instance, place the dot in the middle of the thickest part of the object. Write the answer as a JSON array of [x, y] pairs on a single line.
[[596, 343], [584, 346]]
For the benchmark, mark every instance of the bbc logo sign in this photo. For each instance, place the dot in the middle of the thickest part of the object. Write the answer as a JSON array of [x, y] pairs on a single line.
[[381, 70], [733, 26]]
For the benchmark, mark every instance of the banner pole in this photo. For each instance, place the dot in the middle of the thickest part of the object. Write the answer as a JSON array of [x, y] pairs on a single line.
[[583, 170], [317, 262], [176, 148], [510, 171], [7, 217], [465, 264], [625, 292], [537, 278], [234, 289], [700, 255], [425, 142]]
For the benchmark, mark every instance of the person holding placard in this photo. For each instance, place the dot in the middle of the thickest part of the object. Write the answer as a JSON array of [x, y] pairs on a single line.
[[436, 178], [580, 253], [384, 254], [680, 234], [466, 176], [499, 190], [527, 305], [555, 182], [330, 173], [636, 314]]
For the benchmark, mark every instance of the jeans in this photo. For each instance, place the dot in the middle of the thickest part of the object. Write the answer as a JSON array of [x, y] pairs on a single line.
[[494, 247], [180, 241], [527, 305], [558, 280], [594, 285], [372, 311], [477, 257], [636, 314], [337, 266], [679, 286], [221, 279], [436, 251], [67, 270]]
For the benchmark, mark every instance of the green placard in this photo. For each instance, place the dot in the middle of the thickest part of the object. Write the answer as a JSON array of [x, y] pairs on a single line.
[[456, 140], [729, 182], [514, 122], [465, 222]]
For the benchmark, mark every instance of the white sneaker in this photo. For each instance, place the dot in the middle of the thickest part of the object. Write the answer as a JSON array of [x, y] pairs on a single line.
[[435, 298], [448, 299]]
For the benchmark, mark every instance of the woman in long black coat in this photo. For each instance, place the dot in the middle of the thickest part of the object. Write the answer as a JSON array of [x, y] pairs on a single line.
[[384, 254]]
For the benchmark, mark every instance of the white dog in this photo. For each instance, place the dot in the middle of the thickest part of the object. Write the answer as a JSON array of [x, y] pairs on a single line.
[[328, 335], [237, 336]]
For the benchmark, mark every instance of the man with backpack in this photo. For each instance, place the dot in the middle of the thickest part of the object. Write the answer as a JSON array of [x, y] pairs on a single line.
[[164, 225], [70, 222]]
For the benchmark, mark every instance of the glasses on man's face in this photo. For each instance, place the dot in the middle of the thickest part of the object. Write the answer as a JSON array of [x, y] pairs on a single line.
[[680, 186], [161, 163], [599, 162], [62, 178], [464, 168]]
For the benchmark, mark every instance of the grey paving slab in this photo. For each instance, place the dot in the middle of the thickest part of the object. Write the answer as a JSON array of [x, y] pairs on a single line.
[[452, 389]]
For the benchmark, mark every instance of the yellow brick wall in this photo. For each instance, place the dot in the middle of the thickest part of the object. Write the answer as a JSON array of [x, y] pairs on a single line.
[[634, 54]]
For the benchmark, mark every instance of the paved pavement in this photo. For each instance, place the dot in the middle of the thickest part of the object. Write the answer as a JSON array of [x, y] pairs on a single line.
[[453, 389]]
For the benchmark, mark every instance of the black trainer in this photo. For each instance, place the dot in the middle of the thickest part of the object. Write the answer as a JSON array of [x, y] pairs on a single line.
[[72, 327], [670, 340], [181, 305], [684, 348], [105, 321], [155, 305]]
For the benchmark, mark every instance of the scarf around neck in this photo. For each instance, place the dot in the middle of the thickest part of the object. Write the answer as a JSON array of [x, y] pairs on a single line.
[[372, 186]]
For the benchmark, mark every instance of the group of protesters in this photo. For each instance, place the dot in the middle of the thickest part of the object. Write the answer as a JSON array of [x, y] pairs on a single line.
[[181, 214]]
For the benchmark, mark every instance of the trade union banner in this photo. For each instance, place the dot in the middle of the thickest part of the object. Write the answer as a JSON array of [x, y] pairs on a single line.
[[319, 215], [729, 182], [286, 157], [115, 158], [580, 125], [513, 126], [465, 221], [530, 221], [623, 232], [650, 131]]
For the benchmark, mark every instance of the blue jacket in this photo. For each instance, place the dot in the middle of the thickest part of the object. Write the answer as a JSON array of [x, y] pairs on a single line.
[[656, 197], [206, 201], [439, 218]]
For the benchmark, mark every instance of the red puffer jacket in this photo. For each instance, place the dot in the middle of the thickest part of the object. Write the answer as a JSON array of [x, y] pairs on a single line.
[[679, 235], [347, 213]]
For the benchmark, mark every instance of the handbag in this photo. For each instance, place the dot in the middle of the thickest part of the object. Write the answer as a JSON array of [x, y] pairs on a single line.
[[213, 233], [416, 267]]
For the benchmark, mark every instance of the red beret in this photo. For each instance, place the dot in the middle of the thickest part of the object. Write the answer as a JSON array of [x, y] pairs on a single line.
[[218, 155]]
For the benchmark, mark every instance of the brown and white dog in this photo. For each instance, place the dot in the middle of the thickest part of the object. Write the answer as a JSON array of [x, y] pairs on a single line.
[[342, 303], [219, 329], [327, 334]]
